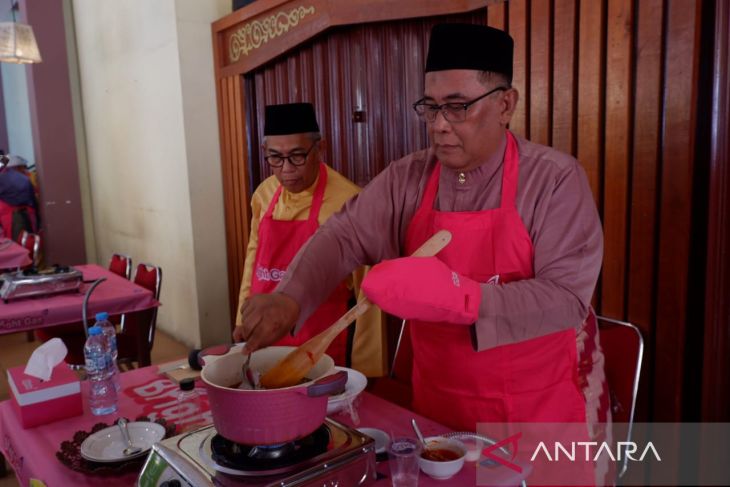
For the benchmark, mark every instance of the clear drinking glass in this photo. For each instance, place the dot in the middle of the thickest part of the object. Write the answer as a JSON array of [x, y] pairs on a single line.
[[403, 456]]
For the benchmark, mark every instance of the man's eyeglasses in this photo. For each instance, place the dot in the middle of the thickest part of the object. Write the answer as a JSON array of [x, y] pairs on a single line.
[[452, 112], [295, 158]]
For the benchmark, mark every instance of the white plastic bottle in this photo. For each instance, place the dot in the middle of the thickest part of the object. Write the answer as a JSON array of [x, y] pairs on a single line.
[[110, 332], [102, 393]]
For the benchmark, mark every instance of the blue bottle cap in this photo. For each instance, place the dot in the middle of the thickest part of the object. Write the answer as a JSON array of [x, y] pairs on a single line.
[[95, 330], [103, 316]]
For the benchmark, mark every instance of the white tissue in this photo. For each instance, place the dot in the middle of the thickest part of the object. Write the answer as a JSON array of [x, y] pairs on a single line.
[[45, 358]]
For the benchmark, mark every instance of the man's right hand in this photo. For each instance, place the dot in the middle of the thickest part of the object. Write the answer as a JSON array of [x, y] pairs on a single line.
[[266, 318]]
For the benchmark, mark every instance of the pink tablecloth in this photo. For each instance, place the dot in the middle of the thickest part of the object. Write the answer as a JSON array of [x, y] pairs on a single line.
[[116, 295], [12, 255], [32, 452]]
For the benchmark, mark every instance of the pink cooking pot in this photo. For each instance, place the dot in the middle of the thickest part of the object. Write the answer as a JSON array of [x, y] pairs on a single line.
[[266, 417]]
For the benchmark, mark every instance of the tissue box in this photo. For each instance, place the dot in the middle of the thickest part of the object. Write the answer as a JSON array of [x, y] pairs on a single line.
[[39, 402]]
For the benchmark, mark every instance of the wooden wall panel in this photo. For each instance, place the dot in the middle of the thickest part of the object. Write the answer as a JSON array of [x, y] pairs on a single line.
[[518, 17], [541, 55], [591, 92], [496, 16], [648, 109], [564, 76], [716, 363], [616, 177], [235, 180], [682, 47]]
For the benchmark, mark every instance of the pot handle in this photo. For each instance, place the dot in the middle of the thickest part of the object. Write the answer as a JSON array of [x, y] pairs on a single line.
[[328, 385], [196, 357]]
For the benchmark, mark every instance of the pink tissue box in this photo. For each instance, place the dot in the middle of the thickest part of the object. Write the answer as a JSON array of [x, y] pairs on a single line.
[[39, 402]]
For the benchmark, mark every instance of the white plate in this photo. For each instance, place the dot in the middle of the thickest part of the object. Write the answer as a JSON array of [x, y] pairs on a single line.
[[107, 445], [381, 438], [356, 382]]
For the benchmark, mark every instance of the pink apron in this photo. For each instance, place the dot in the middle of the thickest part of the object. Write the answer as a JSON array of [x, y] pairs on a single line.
[[538, 380], [279, 242]]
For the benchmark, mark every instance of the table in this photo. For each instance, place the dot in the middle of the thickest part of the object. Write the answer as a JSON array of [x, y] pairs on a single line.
[[32, 452], [13, 255], [116, 295]]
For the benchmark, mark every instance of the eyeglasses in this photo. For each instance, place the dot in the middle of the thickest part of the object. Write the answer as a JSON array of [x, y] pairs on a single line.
[[452, 112], [295, 158]]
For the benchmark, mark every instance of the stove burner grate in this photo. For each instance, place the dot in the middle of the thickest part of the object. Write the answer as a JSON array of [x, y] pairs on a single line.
[[268, 458]]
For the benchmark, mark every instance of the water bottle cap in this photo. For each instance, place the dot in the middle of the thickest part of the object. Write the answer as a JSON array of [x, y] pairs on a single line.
[[187, 384], [103, 316], [94, 330]]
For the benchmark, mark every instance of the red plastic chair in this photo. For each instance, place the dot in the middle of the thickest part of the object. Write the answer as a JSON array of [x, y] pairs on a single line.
[[623, 348], [121, 265], [137, 336]]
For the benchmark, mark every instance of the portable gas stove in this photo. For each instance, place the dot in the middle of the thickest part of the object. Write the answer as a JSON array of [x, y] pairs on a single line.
[[31, 282], [333, 456]]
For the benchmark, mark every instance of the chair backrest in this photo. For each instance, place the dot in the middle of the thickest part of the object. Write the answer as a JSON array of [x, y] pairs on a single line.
[[150, 277], [623, 348], [32, 242], [121, 265], [402, 364]]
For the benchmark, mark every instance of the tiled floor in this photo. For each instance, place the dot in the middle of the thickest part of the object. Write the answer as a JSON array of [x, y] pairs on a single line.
[[15, 350]]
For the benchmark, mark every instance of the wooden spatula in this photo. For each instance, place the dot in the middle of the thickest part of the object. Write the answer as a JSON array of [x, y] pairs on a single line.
[[292, 368]]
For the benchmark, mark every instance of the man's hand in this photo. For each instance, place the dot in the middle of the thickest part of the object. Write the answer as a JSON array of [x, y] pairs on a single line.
[[423, 288], [266, 318]]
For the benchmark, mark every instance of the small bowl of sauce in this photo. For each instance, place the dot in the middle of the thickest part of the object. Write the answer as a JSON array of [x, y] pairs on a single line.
[[442, 458]]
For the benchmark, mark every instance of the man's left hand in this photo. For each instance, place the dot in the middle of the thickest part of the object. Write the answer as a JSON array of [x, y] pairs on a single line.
[[423, 288]]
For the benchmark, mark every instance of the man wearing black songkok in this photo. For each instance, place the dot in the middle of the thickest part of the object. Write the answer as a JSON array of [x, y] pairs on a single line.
[[500, 321], [286, 209]]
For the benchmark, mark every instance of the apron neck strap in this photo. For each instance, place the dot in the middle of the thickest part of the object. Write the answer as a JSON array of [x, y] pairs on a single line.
[[432, 187], [317, 197], [510, 172]]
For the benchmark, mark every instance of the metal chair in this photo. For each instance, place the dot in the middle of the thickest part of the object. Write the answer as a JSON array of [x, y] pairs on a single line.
[[623, 348], [137, 336], [396, 387], [32, 243]]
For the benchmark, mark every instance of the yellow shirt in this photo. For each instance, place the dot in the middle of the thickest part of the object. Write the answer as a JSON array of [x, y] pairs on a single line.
[[368, 349]]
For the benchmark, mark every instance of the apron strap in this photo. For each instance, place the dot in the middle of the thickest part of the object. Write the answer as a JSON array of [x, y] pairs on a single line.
[[317, 197], [432, 187], [272, 205], [510, 172]]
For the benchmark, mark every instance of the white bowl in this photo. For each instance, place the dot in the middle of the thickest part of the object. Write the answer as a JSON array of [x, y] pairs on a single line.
[[107, 445], [356, 383], [442, 469]]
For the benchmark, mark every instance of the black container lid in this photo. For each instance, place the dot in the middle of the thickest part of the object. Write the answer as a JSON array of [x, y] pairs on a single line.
[[187, 384]]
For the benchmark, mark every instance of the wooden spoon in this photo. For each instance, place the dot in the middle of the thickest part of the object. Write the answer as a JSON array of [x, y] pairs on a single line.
[[292, 368]]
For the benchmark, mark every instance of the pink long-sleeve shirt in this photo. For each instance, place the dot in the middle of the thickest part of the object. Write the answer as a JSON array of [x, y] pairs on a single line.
[[553, 199]]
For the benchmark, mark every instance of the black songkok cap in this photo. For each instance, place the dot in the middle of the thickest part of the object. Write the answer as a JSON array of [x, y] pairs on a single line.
[[470, 46], [290, 118]]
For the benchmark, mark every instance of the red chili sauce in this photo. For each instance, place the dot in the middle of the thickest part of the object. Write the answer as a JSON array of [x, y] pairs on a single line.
[[439, 454]]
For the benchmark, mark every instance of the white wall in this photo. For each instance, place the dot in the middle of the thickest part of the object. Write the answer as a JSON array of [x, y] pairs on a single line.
[[148, 97]]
